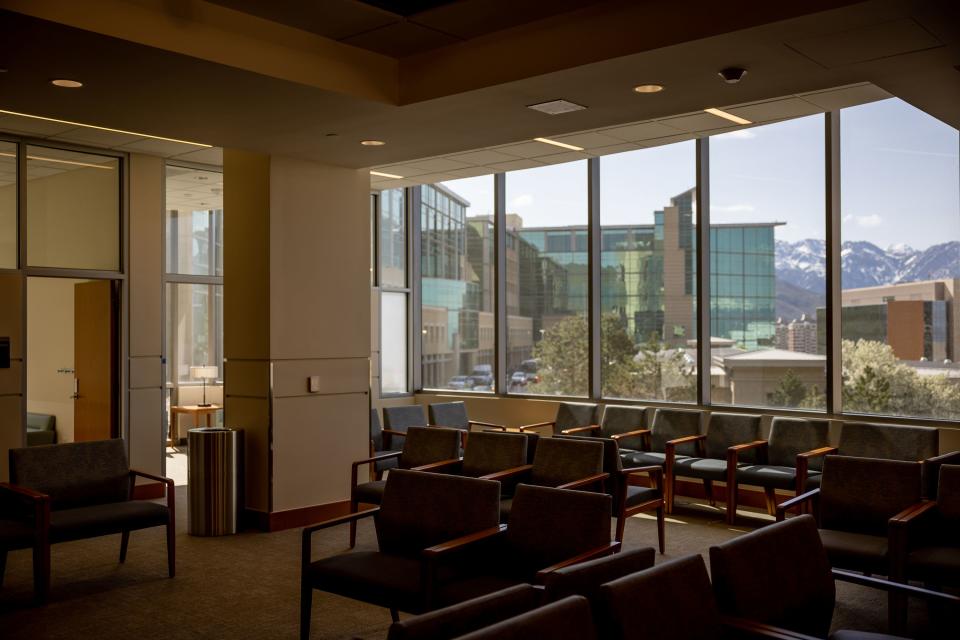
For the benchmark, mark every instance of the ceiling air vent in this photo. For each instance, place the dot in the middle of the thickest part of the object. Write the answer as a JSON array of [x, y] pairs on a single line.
[[556, 107]]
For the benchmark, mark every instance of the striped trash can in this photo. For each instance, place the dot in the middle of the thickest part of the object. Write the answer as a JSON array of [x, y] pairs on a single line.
[[212, 481]]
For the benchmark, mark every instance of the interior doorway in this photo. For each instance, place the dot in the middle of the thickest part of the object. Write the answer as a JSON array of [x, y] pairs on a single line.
[[72, 360]]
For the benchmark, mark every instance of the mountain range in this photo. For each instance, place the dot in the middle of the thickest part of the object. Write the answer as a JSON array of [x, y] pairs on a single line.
[[801, 269]]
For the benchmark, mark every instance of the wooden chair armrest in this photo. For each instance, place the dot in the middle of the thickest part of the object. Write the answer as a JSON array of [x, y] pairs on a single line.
[[24, 492], [394, 433], [652, 469], [816, 453], [489, 425], [507, 473], [376, 458], [900, 587], [584, 482], [685, 439], [459, 543], [150, 476], [911, 513], [572, 430], [786, 505], [436, 466], [752, 628], [599, 552], [733, 452], [630, 434], [307, 533], [538, 425]]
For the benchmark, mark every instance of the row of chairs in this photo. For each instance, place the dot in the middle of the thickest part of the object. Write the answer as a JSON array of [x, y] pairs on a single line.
[[625, 597]]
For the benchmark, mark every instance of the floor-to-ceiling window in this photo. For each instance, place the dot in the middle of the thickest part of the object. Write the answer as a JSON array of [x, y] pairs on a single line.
[[394, 292], [8, 205]]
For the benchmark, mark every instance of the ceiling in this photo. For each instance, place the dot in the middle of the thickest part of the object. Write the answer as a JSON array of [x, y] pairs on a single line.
[[213, 75]]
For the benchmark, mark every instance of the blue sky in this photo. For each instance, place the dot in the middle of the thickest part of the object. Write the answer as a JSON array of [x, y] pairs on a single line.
[[901, 182]]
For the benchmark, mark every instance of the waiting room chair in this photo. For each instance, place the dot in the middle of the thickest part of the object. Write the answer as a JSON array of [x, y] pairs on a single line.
[[398, 420], [424, 449], [418, 512], [630, 499], [677, 431], [378, 448], [559, 462], [89, 489], [586, 578], [41, 429], [932, 534], [568, 619], [25, 524], [931, 472], [453, 415], [569, 416], [625, 424], [489, 452]]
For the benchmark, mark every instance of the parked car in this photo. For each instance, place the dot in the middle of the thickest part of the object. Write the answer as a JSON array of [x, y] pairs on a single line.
[[460, 382], [482, 380], [519, 378]]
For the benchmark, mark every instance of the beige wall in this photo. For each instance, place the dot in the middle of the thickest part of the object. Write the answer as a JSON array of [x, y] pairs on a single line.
[[11, 380]]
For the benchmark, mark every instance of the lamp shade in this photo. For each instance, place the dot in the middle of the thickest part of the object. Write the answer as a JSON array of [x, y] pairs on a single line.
[[204, 373]]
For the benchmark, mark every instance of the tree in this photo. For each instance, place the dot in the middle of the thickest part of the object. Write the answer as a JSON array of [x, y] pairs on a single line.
[[790, 391]]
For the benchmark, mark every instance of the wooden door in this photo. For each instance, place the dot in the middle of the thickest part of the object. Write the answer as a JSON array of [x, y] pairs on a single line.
[[95, 361]]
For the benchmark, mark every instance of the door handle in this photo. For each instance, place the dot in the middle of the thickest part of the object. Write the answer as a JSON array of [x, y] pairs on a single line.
[[76, 389]]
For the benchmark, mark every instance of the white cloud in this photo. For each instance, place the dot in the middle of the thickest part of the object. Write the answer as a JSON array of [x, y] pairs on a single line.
[[523, 200], [873, 220], [734, 208], [848, 217], [739, 134]]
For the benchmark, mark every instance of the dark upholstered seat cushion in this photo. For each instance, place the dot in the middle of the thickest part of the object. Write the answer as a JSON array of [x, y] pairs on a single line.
[[621, 419], [370, 492], [706, 468], [506, 504], [862, 494], [491, 451], [647, 458], [792, 436], [15, 534], [888, 442], [766, 475], [936, 565], [425, 445], [575, 414], [728, 429], [846, 634], [670, 424], [585, 578], [378, 578], [857, 551], [568, 619], [75, 474], [464, 617], [402, 418], [472, 586], [389, 463], [562, 460], [639, 495], [670, 601], [103, 519], [779, 575], [448, 414]]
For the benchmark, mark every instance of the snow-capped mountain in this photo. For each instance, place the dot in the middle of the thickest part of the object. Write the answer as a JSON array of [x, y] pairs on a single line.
[[864, 264]]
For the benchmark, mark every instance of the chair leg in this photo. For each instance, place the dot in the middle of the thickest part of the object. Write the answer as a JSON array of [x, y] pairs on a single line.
[[731, 515], [124, 541], [668, 490], [306, 608], [394, 614], [41, 572], [661, 530], [354, 506], [171, 549], [621, 523], [708, 489], [771, 496]]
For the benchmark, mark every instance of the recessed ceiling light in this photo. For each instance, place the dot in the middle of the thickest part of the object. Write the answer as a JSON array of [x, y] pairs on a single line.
[[66, 83], [372, 143], [556, 107], [93, 126], [648, 88], [386, 175], [728, 116], [559, 144]]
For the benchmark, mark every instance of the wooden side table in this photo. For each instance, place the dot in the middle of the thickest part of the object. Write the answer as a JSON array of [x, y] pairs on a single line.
[[173, 435]]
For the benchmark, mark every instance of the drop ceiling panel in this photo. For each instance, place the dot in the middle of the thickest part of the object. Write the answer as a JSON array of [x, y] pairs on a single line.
[[98, 137], [868, 43], [516, 165], [615, 148], [528, 149], [405, 170], [696, 122], [569, 156], [472, 172], [157, 147], [482, 157], [335, 19], [587, 140], [214, 156], [642, 131], [439, 164], [776, 110], [846, 97], [400, 39], [33, 126]]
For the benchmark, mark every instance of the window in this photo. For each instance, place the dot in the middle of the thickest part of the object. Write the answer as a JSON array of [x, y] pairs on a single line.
[[393, 238], [457, 286], [547, 293], [73, 210], [648, 305], [900, 230], [194, 222], [393, 342], [394, 292], [768, 264], [194, 330]]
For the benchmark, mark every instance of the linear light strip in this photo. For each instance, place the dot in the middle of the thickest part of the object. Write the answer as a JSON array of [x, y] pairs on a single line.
[[727, 116], [93, 126], [386, 175], [563, 145], [73, 162]]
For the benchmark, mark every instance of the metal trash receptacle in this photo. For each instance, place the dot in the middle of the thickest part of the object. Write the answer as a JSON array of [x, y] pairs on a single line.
[[212, 481]]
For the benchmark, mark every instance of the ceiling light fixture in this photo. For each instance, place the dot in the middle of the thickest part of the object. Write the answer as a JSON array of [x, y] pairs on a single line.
[[66, 83], [372, 143], [386, 175], [556, 107], [728, 116], [564, 145], [93, 126], [60, 161], [648, 88]]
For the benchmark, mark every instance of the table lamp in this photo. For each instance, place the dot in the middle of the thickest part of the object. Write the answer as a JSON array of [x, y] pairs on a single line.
[[206, 372]]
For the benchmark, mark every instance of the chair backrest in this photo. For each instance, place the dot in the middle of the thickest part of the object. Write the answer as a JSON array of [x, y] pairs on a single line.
[[611, 463], [41, 422], [670, 424], [792, 436], [948, 493], [672, 601], [470, 615], [562, 460], [425, 445], [74, 474], [889, 442], [402, 418], [569, 619], [419, 510], [584, 579], [727, 429], [862, 494], [533, 439], [548, 525], [621, 419], [376, 431], [931, 472], [448, 414], [491, 451], [778, 575], [575, 414]]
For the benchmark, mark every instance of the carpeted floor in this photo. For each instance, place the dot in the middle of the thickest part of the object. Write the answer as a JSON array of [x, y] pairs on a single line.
[[247, 586]]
